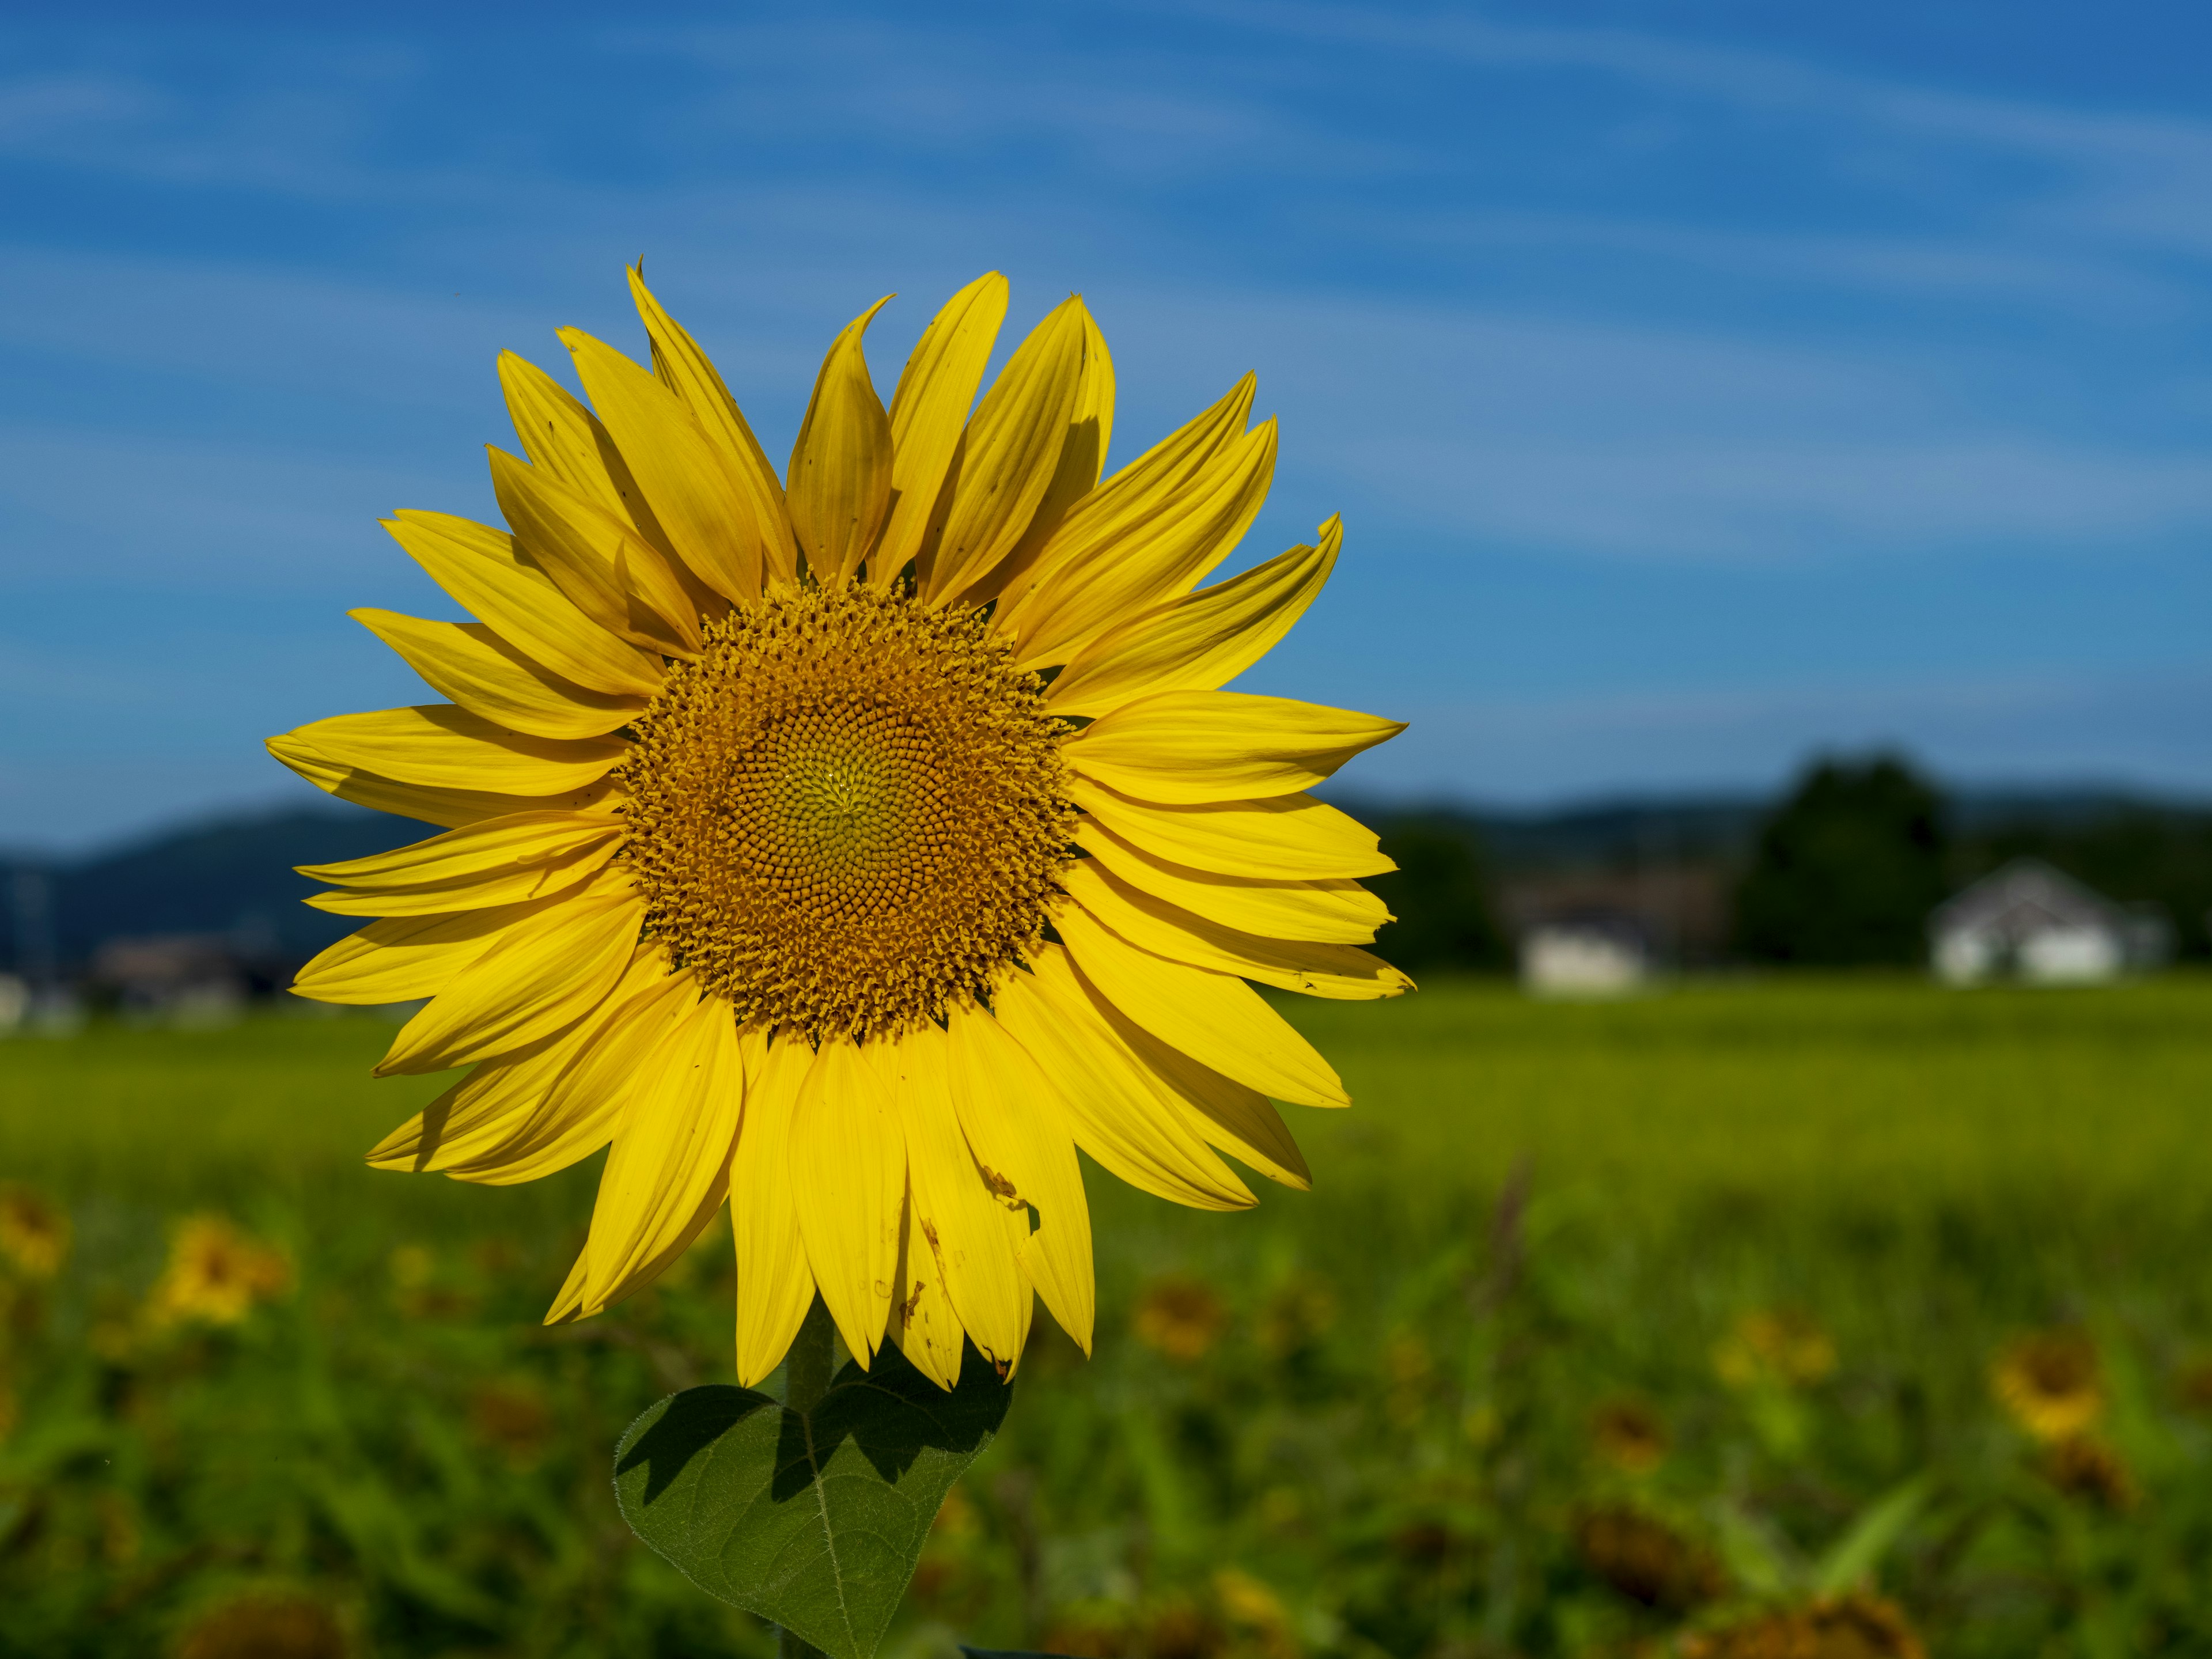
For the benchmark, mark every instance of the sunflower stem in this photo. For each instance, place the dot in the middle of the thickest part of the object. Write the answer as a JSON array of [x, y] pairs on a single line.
[[806, 1372]]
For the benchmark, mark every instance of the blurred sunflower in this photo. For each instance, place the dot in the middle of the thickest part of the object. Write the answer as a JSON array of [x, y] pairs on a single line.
[[1774, 1346], [2051, 1383], [2083, 1466], [34, 1232], [1179, 1317], [215, 1275], [266, 1625], [1630, 1435], [857, 845], [1855, 1626]]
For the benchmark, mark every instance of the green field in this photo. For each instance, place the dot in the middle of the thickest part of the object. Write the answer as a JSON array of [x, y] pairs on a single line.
[[1378, 1440]]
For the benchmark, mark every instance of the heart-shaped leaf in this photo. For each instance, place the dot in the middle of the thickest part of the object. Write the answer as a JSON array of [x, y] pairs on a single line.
[[812, 1520]]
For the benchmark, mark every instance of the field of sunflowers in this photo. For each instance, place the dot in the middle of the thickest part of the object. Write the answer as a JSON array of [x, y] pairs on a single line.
[[1798, 1318]]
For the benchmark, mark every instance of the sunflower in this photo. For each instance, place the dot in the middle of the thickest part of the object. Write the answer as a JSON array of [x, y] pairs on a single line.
[[2051, 1383], [216, 1274], [855, 846], [34, 1232]]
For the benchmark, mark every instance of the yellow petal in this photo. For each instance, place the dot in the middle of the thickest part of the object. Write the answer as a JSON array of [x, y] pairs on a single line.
[[968, 1248], [480, 1111], [1218, 1020], [565, 439], [1016, 1130], [839, 490], [1010, 455], [1241, 1122], [599, 564], [1201, 641], [445, 747], [542, 975], [923, 1321], [685, 370], [582, 1105], [775, 1287], [472, 664], [552, 852], [1325, 912], [1182, 748], [1134, 496], [670, 1168], [1114, 1105], [1344, 972], [496, 845], [479, 567], [406, 958], [1129, 546], [928, 411], [1284, 838], [1082, 457], [508, 1112], [707, 516], [848, 1183], [451, 807]]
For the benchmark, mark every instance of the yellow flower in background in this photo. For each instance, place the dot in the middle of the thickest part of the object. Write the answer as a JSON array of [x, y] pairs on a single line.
[[2083, 1466], [1774, 1346], [513, 1418], [1628, 1435], [34, 1232], [2051, 1383], [215, 1275], [263, 1624], [855, 846], [1855, 1626], [1180, 1317]]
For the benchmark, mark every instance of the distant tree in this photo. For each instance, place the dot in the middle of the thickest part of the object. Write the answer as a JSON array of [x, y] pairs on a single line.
[[1440, 893], [1846, 870]]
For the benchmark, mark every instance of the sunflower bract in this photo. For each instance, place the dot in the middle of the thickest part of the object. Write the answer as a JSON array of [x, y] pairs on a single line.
[[765, 801]]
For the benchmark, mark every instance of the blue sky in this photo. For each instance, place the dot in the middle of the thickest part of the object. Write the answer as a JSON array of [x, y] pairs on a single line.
[[1702, 383]]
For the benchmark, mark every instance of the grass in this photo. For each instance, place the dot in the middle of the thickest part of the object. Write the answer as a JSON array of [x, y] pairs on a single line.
[[1537, 1216]]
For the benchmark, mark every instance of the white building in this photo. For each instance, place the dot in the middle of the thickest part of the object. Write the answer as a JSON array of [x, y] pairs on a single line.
[[2031, 921], [1592, 957]]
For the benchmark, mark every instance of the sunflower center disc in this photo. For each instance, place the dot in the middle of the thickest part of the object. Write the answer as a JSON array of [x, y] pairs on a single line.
[[849, 812]]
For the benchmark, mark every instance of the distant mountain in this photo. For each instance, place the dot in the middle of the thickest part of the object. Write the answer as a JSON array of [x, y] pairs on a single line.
[[232, 877], [1698, 829]]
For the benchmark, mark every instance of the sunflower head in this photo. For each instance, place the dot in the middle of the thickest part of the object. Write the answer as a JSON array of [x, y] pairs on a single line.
[[216, 1274], [1774, 1347], [849, 813], [1648, 1558], [513, 1419], [265, 1625], [1855, 1626], [1180, 1316], [34, 1232], [2051, 1383], [2087, 1466], [852, 845], [1628, 1434]]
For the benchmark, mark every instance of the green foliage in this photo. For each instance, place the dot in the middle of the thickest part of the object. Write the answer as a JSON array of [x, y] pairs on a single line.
[[1846, 871], [812, 1520], [1384, 1436], [1440, 895]]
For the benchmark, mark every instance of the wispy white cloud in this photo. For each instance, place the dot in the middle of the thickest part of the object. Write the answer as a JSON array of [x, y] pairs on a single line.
[[2131, 731]]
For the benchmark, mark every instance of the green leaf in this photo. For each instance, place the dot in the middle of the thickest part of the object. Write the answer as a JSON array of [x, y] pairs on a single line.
[[814, 1521], [1855, 1555], [1759, 1558]]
